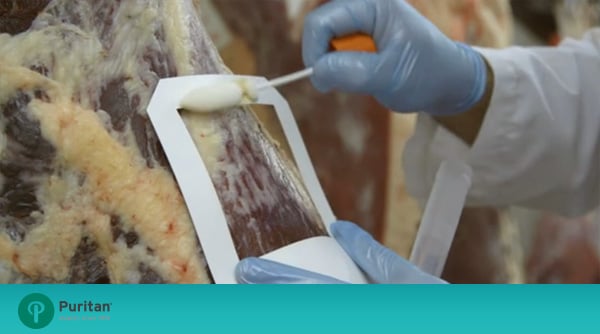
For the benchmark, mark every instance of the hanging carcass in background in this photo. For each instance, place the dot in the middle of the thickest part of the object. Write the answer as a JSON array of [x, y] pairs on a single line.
[[347, 136]]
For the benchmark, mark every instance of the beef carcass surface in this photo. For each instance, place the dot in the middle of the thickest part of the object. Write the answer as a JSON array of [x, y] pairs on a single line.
[[87, 195]]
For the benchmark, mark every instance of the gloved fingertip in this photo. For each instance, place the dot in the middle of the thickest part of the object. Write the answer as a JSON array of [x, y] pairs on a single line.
[[349, 72], [316, 35], [245, 271], [320, 87], [320, 80], [262, 271], [254, 270], [354, 240], [344, 229], [311, 52]]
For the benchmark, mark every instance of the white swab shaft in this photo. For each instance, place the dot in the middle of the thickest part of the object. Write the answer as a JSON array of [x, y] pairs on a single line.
[[288, 78]]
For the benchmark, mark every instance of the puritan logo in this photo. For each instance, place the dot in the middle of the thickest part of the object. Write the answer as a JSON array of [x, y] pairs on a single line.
[[86, 306], [85, 310], [36, 311]]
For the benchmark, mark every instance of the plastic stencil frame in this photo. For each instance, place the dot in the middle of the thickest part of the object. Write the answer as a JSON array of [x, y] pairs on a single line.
[[319, 254]]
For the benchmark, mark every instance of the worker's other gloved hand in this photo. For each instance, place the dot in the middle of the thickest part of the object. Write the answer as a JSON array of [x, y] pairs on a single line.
[[416, 68], [380, 264]]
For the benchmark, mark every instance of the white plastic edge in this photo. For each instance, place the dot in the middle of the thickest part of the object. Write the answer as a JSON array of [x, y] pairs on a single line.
[[441, 216]]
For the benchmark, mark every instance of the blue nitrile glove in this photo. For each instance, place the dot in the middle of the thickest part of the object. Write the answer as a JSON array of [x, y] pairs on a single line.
[[380, 264], [416, 68]]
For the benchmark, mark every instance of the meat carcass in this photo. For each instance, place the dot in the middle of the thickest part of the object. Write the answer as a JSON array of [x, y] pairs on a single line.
[[86, 194]]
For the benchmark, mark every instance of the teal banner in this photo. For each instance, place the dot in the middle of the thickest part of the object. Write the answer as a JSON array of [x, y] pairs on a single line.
[[142, 309]]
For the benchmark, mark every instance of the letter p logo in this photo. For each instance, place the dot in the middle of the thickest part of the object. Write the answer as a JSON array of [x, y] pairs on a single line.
[[36, 311], [35, 308]]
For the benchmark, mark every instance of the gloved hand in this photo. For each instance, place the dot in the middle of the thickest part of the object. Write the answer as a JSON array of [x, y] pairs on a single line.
[[380, 264], [416, 68]]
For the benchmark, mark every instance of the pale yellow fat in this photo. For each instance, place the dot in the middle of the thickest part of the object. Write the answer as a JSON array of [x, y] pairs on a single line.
[[144, 198], [117, 182]]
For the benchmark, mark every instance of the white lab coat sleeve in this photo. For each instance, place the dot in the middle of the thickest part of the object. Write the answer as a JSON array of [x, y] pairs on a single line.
[[539, 144]]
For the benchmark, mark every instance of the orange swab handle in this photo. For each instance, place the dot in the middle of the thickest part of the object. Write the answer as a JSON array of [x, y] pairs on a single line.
[[354, 42]]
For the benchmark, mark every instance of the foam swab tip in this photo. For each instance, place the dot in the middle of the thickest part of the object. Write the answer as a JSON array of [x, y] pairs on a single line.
[[216, 97]]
